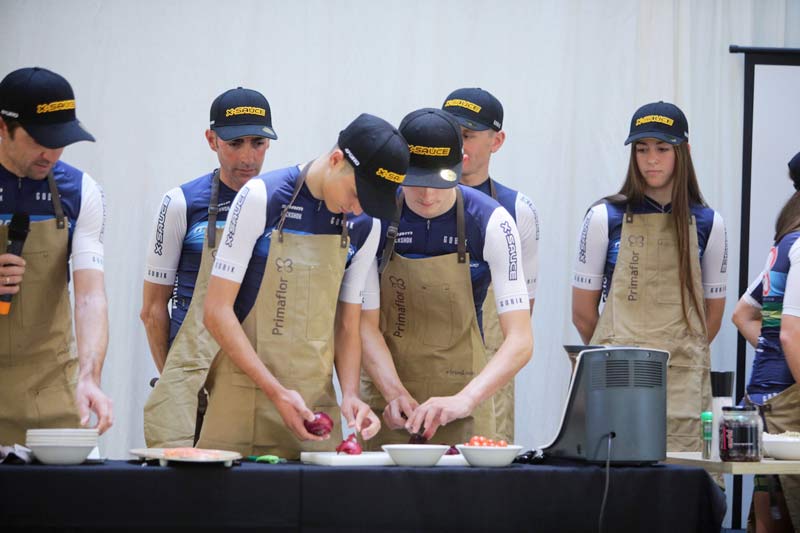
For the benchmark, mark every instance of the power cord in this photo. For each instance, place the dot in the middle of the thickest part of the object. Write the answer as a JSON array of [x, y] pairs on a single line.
[[610, 436]]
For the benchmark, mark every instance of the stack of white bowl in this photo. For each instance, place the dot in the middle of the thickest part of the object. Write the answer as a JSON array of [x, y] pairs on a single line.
[[61, 446]]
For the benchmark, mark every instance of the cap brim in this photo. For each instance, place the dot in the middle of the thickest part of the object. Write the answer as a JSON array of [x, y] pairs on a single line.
[[58, 135], [228, 133], [470, 124], [376, 197], [442, 178], [671, 139]]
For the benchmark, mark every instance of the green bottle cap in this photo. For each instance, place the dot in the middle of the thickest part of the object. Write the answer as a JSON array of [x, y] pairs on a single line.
[[706, 416]]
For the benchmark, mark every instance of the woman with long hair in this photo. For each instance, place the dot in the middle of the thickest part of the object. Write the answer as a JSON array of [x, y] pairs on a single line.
[[768, 316], [656, 255]]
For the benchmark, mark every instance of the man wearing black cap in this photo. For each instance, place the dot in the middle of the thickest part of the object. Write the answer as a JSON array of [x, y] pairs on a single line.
[[480, 115], [185, 236], [445, 245], [43, 381], [291, 265]]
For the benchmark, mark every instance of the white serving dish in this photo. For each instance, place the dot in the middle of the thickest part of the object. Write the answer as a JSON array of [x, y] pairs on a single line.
[[489, 455], [781, 447], [415, 454], [60, 454], [342, 459]]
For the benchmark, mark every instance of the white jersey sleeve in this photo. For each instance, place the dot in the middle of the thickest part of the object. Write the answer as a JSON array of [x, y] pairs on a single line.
[[791, 297], [166, 239], [246, 222], [748, 294], [714, 265], [87, 239], [528, 226], [356, 273], [501, 250], [590, 262], [372, 287]]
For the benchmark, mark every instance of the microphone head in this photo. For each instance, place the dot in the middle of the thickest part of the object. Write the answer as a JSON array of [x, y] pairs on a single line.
[[19, 227]]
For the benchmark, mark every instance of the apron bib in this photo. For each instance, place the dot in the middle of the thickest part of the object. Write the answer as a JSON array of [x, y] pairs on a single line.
[[428, 322], [38, 357], [291, 328], [782, 413], [170, 414], [644, 309]]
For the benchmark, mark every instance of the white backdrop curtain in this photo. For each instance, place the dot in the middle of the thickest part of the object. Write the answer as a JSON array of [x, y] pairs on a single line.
[[569, 73]]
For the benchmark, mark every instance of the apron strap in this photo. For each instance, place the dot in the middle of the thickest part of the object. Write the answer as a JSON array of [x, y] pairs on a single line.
[[345, 231], [56, 199], [391, 232], [461, 226], [492, 189], [213, 210], [297, 186], [628, 213]]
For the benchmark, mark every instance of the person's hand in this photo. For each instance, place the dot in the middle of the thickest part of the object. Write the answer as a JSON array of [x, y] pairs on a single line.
[[89, 398], [360, 417], [12, 268], [293, 411], [398, 411], [437, 411]]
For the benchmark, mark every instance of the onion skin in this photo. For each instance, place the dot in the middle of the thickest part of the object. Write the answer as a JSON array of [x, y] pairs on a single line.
[[321, 426], [417, 438]]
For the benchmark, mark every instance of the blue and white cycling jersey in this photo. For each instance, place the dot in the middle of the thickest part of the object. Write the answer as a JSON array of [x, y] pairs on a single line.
[[81, 199], [176, 242], [599, 245], [256, 210]]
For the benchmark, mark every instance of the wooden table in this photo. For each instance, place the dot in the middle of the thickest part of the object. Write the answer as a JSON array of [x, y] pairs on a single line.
[[765, 466]]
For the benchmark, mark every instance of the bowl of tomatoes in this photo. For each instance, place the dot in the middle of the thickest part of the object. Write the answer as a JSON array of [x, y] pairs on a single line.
[[487, 452]]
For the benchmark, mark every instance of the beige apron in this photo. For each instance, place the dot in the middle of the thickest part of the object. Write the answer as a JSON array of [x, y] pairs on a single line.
[[291, 328], [493, 338], [170, 414], [782, 413], [429, 324], [644, 309], [38, 361]]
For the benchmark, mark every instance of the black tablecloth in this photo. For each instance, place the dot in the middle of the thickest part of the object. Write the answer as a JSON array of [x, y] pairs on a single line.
[[559, 497]]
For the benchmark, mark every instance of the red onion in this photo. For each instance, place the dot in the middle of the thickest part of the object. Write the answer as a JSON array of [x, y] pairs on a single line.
[[321, 426], [349, 446], [417, 438], [452, 450]]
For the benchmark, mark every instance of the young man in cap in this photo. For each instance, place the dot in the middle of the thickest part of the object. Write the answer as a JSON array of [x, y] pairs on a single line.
[[480, 115], [291, 266], [421, 322], [43, 381], [186, 233]]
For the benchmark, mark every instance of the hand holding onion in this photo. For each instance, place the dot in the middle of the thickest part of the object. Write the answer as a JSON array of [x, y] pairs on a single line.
[[295, 414]]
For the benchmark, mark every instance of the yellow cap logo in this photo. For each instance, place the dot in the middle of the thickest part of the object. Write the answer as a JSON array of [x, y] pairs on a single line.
[[655, 118], [389, 175], [456, 102], [436, 151], [245, 110], [61, 105]]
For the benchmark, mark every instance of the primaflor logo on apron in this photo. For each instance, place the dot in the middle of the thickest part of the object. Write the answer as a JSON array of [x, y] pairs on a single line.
[[644, 309], [170, 414], [38, 361], [291, 328], [429, 324]]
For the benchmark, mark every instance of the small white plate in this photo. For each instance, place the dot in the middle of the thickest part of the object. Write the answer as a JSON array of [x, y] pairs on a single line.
[[415, 454]]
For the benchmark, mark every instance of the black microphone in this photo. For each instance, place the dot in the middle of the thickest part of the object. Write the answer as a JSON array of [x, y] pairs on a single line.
[[17, 233]]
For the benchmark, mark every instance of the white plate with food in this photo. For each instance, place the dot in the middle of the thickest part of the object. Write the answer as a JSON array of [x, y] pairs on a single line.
[[187, 455], [784, 446]]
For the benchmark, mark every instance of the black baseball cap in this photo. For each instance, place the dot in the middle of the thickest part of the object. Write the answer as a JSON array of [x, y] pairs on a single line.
[[44, 104], [659, 120], [241, 112], [794, 170], [475, 109], [379, 156], [434, 140]]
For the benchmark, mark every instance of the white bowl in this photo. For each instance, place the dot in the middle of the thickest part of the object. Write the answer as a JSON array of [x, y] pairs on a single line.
[[61, 455], [415, 454], [782, 447], [489, 455]]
